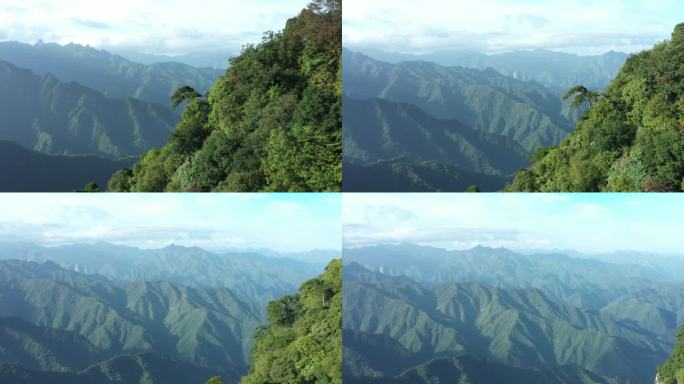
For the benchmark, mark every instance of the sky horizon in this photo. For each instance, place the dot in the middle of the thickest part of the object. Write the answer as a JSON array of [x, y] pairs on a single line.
[[285, 223], [586, 223], [161, 27], [584, 27]]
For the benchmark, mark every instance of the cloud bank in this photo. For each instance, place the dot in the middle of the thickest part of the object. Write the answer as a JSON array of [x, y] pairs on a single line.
[[575, 26], [281, 222], [150, 26], [592, 223]]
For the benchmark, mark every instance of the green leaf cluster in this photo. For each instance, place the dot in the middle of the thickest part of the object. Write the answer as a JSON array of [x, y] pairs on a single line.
[[631, 139], [271, 123], [302, 342], [672, 371]]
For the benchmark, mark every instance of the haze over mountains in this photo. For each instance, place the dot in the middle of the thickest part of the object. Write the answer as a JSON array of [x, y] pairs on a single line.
[[557, 71], [516, 95], [217, 59], [423, 314], [99, 312], [74, 100]]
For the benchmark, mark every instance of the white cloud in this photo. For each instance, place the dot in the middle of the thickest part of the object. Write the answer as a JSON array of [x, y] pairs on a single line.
[[581, 26], [584, 222], [283, 222], [150, 26]]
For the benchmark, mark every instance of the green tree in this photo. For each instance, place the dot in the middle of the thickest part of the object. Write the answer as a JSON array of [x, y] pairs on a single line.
[[90, 187], [302, 342], [581, 95], [632, 136], [184, 93], [271, 123], [120, 181], [215, 380]]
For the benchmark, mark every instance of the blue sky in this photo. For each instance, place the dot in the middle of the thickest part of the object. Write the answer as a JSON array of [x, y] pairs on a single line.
[[146, 26], [281, 222], [575, 26], [591, 223]]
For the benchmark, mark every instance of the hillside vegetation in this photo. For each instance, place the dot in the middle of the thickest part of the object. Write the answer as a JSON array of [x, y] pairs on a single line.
[[272, 122], [632, 139], [302, 342], [672, 372]]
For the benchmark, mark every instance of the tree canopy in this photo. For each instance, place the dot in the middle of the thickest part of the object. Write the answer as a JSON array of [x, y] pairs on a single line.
[[271, 123], [630, 139], [672, 371], [302, 342], [580, 95]]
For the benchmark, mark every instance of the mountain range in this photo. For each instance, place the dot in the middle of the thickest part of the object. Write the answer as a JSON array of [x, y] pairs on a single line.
[[206, 327], [425, 313], [515, 95], [113, 314], [54, 117], [557, 71], [485, 100], [252, 276], [378, 133], [96, 110], [216, 59], [107, 73]]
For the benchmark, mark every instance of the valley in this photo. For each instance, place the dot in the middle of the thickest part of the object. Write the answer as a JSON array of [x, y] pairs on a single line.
[[512, 101], [423, 314], [108, 313]]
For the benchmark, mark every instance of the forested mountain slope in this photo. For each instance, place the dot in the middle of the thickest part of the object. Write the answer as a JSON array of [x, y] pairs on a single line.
[[558, 71], [44, 348], [632, 139], [253, 277], [518, 328], [672, 372], [109, 74], [206, 327], [482, 99], [271, 123], [50, 116], [581, 282], [302, 342], [378, 129]]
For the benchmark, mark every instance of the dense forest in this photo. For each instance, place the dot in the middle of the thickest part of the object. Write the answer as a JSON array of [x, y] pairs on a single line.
[[632, 136], [672, 372], [272, 122], [302, 342]]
